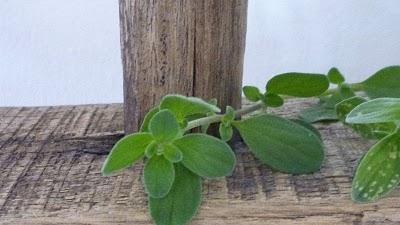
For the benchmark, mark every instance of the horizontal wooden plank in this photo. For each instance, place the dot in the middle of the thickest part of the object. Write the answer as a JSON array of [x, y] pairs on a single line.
[[50, 160]]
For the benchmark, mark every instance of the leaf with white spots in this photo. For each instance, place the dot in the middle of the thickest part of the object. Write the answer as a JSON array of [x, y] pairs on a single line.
[[379, 170], [370, 130]]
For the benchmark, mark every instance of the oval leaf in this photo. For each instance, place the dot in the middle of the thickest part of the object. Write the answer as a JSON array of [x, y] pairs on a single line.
[[272, 100], [298, 84], [183, 106], [126, 151], [379, 170], [164, 126], [318, 113], [159, 175], [378, 110], [252, 93], [172, 153], [225, 132], [282, 144], [206, 155], [370, 131], [334, 76], [147, 118], [384, 83], [181, 203]]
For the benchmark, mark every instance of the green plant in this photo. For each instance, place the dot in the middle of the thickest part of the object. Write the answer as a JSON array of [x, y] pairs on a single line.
[[374, 115], [176, 160]]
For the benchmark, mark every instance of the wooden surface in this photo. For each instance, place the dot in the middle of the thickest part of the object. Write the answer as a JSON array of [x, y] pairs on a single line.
[[190, 47], [50, 160]]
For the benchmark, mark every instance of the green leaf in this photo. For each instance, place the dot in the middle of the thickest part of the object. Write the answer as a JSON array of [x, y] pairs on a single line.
[[164, 126], [159, 175], [334, 76], [298, 84], [172, 153], [308, 126], [126, 151], [229, 115], [181, 203], [151, 149], [370, 131], [183, 106], [147, 118], [272, 100], [225, 132], [282, 144], [384, 83], [379, 171], [206, 155], [318, 113], [252, 93], [346, 91], [376, 111]]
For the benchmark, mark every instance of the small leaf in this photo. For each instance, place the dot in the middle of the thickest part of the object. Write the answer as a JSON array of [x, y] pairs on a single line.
[[272, 100], [370, 131], [183, 106], [298, 84], [384, 83], [376, 111], [346, 91], [126, 151], [182, 201], [159, 175], [151, 149], [282, 144], [379, 171], [172, 153], [252, 93], [334, 76], [164, 126], [318, 113], [225, 132], [206, 155], [147, 118], [229, 115], [308, 126]]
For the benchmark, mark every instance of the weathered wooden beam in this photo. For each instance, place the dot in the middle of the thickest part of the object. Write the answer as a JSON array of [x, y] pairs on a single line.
[[50, 161], [189, 47]]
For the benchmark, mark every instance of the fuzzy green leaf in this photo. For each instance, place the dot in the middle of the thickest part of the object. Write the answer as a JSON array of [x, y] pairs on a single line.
[[282, 144], [334, 76], [172, 153], [164, 126], [252, 93], [384, 83], [376, 111], [346, 91], [151, 149], [147, 118], [318, 113], [272, 100], [159, 175], [206, 155], [183, 106], [298, 84], [126, 151], [370, 131], [181, 203], [379, 170], [225, 132]]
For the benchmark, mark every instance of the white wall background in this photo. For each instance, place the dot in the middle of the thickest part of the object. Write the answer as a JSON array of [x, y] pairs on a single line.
[[67, 52]]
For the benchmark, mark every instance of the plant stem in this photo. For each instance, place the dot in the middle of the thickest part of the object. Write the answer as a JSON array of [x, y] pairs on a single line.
[[217, 118]]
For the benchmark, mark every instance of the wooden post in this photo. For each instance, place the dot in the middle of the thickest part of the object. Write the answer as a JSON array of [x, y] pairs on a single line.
[[190, 47]]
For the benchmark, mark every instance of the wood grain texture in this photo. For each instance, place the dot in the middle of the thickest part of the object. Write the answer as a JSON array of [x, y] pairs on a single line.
[[190, 47], [50, 160]]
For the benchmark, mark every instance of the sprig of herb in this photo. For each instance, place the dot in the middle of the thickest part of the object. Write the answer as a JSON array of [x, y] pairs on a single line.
[[374, 115], [176, 160]]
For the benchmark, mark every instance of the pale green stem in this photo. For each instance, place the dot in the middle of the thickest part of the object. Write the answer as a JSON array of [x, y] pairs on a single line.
[[217, 118]]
